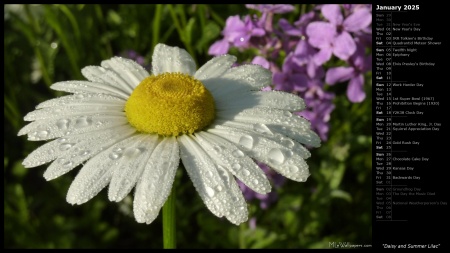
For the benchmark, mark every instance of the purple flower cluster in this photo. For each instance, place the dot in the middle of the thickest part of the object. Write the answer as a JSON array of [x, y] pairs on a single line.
[[331, 35], [324, 47]]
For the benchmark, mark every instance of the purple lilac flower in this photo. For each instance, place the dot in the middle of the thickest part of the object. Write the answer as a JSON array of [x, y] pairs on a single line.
[[334, 37], [319, 107], [292, 77], [236, 33], [359, 64], [273, 8], [268, 10]]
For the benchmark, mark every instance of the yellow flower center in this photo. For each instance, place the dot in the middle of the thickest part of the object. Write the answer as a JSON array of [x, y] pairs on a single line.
[[170, 104]]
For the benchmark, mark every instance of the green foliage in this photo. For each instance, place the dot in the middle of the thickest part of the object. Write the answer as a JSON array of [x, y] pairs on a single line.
[[44, 44]]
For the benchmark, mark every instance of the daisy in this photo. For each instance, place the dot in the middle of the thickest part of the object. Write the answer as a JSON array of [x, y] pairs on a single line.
[[129, 129]]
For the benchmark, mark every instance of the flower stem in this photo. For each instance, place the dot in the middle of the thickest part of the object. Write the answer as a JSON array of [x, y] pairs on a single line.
[[169, 221]]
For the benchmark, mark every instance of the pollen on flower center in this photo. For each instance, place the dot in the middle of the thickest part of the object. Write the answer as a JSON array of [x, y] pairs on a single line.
[[170, 104]]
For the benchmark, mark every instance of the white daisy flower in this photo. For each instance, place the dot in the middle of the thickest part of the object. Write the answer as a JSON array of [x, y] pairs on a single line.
[[129, 129]]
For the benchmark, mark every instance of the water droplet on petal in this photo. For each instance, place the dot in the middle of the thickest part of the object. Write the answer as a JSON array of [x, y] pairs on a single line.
[[292, 168], [237, 153], [209, 191], [42, 134], [246, 172], [219, 188], [114, 155], [287, 113], [236, 166], [218, 149], [65, 146], [288, 143], [276, 156], [83, 121], [261, 128], [246, 141], [84, 152], [255, 181], [67, 164], [63, 124]]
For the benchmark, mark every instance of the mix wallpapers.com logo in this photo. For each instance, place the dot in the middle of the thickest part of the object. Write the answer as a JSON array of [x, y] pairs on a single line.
[[344, 245]]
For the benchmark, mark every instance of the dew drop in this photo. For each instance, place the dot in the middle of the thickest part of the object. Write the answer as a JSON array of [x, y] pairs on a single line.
[[292, 168], [209, 191], [237, 153], [261, 128], [133, 152], [288, 143], [84, 152], [276, 156], [63, 124], [255, 181], [42, 134], [219, 188], [114, 155], [79, 96], [83, 121], [51, 151], [218, 149], [246, 172], [246, 141], [236, 166], [67, 164], [118, 149], [287, 113], [65, 146]]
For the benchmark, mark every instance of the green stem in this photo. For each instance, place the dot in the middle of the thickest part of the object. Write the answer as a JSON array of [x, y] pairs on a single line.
[[156, 24], [169, 235]]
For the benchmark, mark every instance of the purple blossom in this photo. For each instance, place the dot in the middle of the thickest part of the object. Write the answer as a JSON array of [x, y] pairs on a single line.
[[273, 8], [359, 64], [237, 33], [319, 107], [334, 37], [292, 77]]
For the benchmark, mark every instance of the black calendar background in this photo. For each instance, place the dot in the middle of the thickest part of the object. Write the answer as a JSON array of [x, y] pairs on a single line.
[[415, 224]]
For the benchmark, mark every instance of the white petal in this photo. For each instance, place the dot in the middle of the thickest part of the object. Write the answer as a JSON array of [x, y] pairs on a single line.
[[239, 79], [97, 173], [89, 87], [217, 189], [229, 157], [107, 76], [132, 164], [82, 99], [289, 143], [275, 120], [71, 111], [172, 59], [130, 71], [273, 153], [47, 129], [271, 99], [215, 67], [56, 148], [76, 153], [156, 182]]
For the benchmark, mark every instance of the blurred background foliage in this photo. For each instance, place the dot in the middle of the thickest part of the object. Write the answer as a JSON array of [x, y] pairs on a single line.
[[44, 44]]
